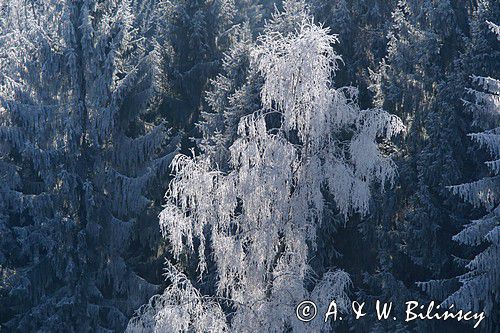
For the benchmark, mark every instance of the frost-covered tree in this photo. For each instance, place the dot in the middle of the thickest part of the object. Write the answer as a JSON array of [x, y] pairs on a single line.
[[480, 286], [39, 218], [235, 92], [82, 150], [416, 78], [258, 220], [362, 26], [254, 13], [198, 33]]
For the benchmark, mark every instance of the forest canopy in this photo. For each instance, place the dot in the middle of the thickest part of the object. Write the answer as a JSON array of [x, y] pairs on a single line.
[[209, 165]]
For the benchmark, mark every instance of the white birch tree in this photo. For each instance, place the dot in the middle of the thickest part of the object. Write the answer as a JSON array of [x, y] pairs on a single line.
[[259, 220]]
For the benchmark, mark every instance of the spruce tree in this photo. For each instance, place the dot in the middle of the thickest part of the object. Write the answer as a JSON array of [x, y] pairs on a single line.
[[84, 147]]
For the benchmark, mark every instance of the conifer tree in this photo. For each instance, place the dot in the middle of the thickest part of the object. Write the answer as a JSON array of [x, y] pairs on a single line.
[[82, 147], [198, 33], [479, 286], [415, 79], [480, 289]]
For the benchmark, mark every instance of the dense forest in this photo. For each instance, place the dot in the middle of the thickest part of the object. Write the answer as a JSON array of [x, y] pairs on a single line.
[[207, 165]]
